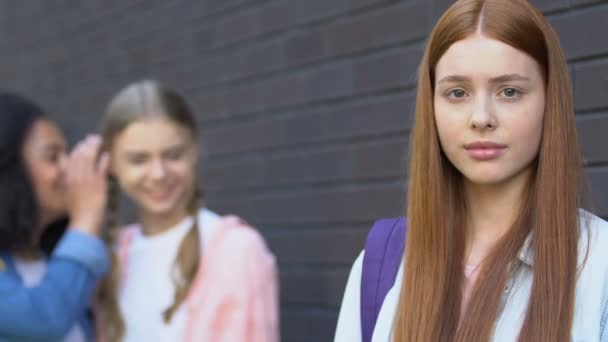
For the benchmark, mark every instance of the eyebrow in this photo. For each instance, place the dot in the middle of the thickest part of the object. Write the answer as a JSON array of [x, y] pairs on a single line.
[[499, 79], [142, 152], [135, 153], [53, 147]]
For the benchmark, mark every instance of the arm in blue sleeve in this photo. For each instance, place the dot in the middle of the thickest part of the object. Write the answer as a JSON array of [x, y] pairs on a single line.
[[49, 310]]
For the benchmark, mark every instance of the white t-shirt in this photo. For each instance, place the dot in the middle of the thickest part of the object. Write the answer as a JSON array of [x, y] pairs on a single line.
[[31, 273], [148, 289]]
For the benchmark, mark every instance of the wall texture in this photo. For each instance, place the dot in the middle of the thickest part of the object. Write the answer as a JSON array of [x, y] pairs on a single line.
[[305, 107]]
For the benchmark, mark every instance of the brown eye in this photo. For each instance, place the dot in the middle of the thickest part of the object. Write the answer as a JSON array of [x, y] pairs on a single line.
[[53, 158], [136, 159], [175, 154]]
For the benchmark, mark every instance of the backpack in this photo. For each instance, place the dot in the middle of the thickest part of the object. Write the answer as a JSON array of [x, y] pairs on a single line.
[[383, 254]]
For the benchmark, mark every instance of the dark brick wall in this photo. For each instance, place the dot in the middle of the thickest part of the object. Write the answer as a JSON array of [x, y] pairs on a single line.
[[305, 107]]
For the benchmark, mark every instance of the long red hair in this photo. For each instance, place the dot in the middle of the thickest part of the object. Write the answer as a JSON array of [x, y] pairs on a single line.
[[430, 299]]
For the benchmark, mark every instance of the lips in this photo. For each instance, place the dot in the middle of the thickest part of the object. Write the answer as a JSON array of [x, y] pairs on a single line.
[[484, 150], [160, 195]]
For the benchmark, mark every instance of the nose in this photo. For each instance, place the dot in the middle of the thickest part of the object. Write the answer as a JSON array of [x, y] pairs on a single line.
[[483, 117], [63, 163], [159, 170]]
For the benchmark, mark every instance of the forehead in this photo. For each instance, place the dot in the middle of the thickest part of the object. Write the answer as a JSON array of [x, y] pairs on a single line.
[[45, 132], [482, 57], [152, 134]]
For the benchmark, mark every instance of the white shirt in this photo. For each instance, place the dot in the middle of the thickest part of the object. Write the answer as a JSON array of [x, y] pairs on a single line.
[[31, 273], [591, 303], [148, 288]]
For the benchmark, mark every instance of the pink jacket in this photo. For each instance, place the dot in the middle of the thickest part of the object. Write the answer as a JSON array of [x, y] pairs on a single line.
[[234, 297]]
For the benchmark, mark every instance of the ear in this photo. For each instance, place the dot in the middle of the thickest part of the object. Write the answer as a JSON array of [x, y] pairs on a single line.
[[111, 167]]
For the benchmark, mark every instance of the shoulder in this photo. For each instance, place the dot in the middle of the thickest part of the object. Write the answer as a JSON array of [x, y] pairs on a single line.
[[237, 242], [238, 233], [356, 270], [237, 255], [594, 236], [593, 242]]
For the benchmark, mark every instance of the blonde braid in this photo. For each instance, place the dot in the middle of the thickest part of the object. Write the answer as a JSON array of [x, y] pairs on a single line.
[[112, 323], [187, 259]]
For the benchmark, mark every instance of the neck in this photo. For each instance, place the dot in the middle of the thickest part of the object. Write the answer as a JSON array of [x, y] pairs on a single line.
[[34, 253], [157, 223], [28, 254], [491, 211]]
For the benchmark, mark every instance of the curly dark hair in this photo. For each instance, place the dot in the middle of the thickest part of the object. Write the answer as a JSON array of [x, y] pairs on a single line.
[[19, 211]]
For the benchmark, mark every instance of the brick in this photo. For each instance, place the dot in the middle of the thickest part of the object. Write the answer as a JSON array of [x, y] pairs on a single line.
[[236, 174], [304, 47], [214, 105], [591, 131], [222, 5], [550, 5], [393, 70], [283, 91], [238, 27], [389, 25], [243, 137], [585, 2], [331, 81], [277, 15], [329, 247], [591, 85], [589, 23], [321, 206], [347, 36], [326, 165], [390, 114], [386, 159], [598, 178], [240, 138], [307, 287], [344, 122], [210, 71], [438, 8], [305, 325], [310, 10], [243, 99], [203, 38], [261, 58]]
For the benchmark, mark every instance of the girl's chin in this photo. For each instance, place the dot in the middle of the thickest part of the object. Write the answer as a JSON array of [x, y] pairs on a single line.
[[157, 207]]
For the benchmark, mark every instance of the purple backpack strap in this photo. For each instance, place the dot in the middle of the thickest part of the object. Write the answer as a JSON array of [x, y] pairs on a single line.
[[383, 254]]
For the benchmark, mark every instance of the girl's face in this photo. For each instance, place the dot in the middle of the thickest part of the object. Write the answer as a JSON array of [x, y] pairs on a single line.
[[489, 103], [45, 156], [154, 161]]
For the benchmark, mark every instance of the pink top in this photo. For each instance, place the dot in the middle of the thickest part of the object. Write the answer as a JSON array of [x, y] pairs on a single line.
[[234, 297]]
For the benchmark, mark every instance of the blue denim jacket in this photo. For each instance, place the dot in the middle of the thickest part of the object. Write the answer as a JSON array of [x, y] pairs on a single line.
[[47, 312]]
